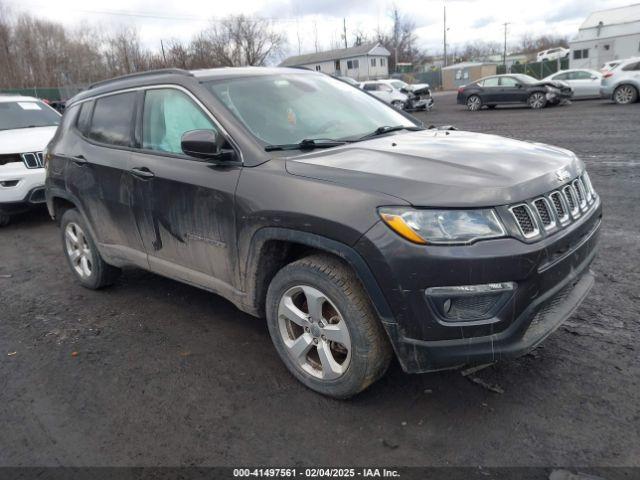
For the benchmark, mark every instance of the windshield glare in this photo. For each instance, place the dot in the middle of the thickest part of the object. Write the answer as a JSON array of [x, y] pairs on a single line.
[[287, 108], [26, 114]]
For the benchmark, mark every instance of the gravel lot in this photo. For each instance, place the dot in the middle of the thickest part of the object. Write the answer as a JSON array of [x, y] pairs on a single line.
[[166, 374]]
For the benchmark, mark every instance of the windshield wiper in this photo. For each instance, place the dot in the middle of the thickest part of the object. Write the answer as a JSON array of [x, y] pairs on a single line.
[[388, 129], [307, 144]]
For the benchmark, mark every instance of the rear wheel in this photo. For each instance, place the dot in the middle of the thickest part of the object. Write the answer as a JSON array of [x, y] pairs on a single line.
[[474, 103], [4, 220], [625, 94], [324, 327], [537, 100], [86, 264]]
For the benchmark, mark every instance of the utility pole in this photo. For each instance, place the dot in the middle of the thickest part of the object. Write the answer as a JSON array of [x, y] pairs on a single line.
[[344, 27], [504, 55], [445, 35]]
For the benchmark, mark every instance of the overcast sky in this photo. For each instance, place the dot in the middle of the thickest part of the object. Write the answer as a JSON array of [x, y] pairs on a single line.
[[468, 20]]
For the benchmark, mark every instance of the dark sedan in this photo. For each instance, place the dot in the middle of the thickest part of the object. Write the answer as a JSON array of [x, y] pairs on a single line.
[[510, 89]]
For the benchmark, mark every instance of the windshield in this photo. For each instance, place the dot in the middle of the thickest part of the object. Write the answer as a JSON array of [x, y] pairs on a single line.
[[287, 108], [398, 84], [26, 114], [525, 79]]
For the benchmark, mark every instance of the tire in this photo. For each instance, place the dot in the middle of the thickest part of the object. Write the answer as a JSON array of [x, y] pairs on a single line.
[[361, 352], [4, 220], [85, 262], [474, 103], [625, 94], [537, 100]]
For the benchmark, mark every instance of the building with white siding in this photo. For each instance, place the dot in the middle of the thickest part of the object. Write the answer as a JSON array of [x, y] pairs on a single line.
[[369, 61], [606, 35]]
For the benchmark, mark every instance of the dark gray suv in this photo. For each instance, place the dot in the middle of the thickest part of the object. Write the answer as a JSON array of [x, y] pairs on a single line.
[[356, 232]]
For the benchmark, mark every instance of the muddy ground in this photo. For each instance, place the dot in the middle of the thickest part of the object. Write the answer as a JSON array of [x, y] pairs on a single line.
[[166, 374]]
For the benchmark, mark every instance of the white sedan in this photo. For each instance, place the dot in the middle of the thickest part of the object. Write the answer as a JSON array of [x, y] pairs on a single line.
[[584, 82]]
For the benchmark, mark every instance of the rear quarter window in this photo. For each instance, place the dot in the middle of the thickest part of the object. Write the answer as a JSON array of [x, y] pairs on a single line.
[[84, 117], [112, 119]]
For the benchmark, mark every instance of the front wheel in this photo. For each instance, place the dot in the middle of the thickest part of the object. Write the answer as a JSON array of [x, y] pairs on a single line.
[[324, 327], [474, 103], [397, 104], [537, 100], [86, 264], [625, 94]]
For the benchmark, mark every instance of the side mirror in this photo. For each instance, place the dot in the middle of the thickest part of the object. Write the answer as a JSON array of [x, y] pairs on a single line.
[[518, 85], [206, 145], [404, 90], [594, 77]]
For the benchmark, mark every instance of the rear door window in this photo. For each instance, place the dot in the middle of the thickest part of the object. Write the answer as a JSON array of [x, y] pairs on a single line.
[[112, 117], [490, 82]]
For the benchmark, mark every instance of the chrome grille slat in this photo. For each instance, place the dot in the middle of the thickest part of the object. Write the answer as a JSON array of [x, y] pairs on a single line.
[[554, 210], [33, 159]]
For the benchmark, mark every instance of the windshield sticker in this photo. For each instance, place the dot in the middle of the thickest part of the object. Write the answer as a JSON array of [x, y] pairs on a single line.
[[29, 106]]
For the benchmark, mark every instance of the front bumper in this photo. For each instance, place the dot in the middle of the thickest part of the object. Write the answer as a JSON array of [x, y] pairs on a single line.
[[419, 104], [552, 277], [20, 187], [17, 181]]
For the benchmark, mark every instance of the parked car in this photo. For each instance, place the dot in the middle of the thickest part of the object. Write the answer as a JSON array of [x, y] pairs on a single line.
[[386, 93], [418, 94], [552, 54], [350, 81], [26, 126], [584, 83], [609, 66], [513, 88], [622, 83], [355, 231]]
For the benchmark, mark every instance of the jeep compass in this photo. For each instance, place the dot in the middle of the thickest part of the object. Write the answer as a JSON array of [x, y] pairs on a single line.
[[356, 232]]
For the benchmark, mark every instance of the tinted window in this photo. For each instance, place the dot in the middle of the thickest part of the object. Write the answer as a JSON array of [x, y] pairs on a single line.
[[490, 82], [168, 114], [580, 75], [84, 117], [508, 82], [111, 122], [26, 114], [369, 86], [561, 76], [632, 67]]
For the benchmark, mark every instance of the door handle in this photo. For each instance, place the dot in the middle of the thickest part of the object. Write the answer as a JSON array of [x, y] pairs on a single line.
[[142, 172], [79, 160]]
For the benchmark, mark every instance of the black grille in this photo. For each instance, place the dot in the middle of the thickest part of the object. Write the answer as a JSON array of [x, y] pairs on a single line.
[[33, 160], [524, 219], [568, 194], [557, 203], [470, 307], [543, 211]]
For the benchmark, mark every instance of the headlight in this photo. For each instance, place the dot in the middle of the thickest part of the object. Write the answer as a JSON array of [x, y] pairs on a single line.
[[443, 226]]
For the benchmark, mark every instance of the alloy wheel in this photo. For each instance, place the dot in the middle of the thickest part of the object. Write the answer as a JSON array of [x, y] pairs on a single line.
[[474, 103], [536, 100], [314, 332], [624, 94], [78, 250]]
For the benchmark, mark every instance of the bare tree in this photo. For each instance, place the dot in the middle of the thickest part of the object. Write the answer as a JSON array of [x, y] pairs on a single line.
[[530, 43], [239, 40], [401, 41]]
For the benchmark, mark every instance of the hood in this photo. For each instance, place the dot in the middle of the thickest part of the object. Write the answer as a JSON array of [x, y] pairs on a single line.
[[553, 83], [418, 88], [443, 168], [24, 140]]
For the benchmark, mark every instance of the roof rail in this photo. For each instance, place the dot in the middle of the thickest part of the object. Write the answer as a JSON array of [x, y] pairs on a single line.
[[174, 71]]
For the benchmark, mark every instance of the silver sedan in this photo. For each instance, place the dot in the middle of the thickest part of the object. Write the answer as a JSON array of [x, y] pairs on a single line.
[[584, 82]]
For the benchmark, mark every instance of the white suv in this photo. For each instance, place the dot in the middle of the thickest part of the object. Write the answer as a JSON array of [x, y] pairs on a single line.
[[552, 54], [26, 127]]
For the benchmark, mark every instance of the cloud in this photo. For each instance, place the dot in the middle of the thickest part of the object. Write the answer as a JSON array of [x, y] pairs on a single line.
[[482, 22], [573, 10]]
